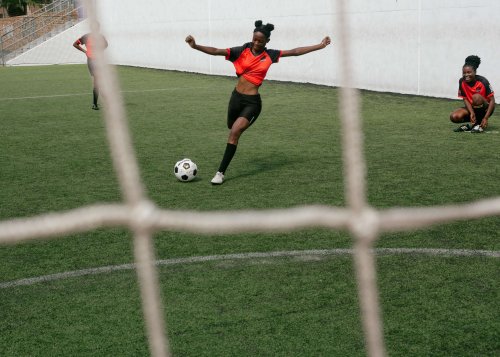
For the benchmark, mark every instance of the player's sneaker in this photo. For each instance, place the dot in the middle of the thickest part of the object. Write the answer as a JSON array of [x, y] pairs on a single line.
[[95, 107], [464, 127], [476, 129], [218, 178]]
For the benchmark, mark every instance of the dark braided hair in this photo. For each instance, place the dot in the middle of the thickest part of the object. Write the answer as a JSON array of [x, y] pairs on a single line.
[[472, 61], [265, 29]]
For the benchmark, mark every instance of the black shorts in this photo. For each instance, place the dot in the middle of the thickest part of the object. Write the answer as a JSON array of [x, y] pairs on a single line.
[[243, 105], [91, 65], [480, 112]]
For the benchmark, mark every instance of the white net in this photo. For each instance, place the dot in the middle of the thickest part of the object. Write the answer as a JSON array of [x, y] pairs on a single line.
[[144, 218]]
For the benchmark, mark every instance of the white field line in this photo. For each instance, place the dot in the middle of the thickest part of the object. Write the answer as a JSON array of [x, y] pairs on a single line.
[[242, 256], [90, 93]]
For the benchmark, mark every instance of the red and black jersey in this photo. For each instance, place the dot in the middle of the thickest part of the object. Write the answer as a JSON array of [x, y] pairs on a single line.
[[253, 68], [481, 86], [88, 41]]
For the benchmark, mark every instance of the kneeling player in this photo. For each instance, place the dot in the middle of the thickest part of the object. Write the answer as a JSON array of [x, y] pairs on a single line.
[[479, 99]]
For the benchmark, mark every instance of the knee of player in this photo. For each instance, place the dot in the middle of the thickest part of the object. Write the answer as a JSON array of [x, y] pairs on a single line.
[[477, 99], [235, 134]]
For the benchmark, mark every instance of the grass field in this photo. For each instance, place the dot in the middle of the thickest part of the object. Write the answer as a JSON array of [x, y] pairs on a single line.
[[54, 156]]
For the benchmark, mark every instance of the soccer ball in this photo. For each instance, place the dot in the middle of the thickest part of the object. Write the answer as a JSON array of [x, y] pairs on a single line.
[[185, 170]]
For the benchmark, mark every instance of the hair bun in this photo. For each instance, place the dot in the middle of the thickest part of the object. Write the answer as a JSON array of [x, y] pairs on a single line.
[[473, 61], [265, 29], [269, 27]]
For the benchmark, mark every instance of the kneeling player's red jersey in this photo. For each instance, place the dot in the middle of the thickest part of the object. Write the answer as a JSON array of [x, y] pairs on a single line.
[[481, 86]]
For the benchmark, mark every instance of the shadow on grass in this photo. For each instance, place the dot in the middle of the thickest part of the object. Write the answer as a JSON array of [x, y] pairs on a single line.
[[267, 163]]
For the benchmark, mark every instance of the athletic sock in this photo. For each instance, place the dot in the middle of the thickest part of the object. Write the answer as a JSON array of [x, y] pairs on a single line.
[[96, 95], [228, 156]]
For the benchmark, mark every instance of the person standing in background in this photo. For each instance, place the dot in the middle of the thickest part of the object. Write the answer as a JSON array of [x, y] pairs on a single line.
[[88, 48]]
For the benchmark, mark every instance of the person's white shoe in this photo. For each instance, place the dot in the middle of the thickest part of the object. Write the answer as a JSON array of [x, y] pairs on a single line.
[[218, 178], [477, 129]]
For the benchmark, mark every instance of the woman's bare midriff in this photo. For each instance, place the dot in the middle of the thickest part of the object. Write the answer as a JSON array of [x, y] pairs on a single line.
[[245, 87]]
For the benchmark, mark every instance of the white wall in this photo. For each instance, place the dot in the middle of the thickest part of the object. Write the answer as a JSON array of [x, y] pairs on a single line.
[[419, 46], [404, 46], [57, 50], [154, 35]]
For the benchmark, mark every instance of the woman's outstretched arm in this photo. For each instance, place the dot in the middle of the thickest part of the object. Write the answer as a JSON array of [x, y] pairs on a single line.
[[299, 51], [205, 49]]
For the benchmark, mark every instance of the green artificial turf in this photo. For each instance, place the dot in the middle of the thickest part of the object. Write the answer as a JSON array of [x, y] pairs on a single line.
[[54, 156]]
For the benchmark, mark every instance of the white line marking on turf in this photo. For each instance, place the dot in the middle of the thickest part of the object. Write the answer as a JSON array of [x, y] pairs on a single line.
[[90, 93], [163, 89], [241, 256], [45, 96]]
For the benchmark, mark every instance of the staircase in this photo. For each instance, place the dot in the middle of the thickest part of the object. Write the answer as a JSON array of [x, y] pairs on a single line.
[[29, 31]]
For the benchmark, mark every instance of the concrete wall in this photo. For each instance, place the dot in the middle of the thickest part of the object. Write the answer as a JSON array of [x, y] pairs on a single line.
[[56, 50], [403, 46]]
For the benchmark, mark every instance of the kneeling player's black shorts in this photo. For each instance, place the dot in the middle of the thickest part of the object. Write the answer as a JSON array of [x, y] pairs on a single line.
[[243, 105], [481, 112]]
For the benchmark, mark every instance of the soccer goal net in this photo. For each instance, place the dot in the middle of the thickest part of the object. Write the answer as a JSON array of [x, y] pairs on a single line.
[[143, 218]]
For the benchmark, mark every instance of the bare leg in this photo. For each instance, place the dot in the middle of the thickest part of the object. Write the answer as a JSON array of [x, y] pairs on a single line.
[[460, 115], [478, 100], [95, 92], [237, 128]]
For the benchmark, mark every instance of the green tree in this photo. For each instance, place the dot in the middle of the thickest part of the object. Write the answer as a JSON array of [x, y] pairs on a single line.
[[20, 7]]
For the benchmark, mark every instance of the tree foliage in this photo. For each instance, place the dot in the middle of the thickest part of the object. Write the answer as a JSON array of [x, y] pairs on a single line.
[[6, 3], [20, 7]]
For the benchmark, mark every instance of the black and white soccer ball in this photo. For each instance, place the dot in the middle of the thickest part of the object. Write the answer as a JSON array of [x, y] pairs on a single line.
[[185, 170]]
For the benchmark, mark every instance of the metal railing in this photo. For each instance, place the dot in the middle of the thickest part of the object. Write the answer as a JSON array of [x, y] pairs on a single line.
[[33, 29]]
